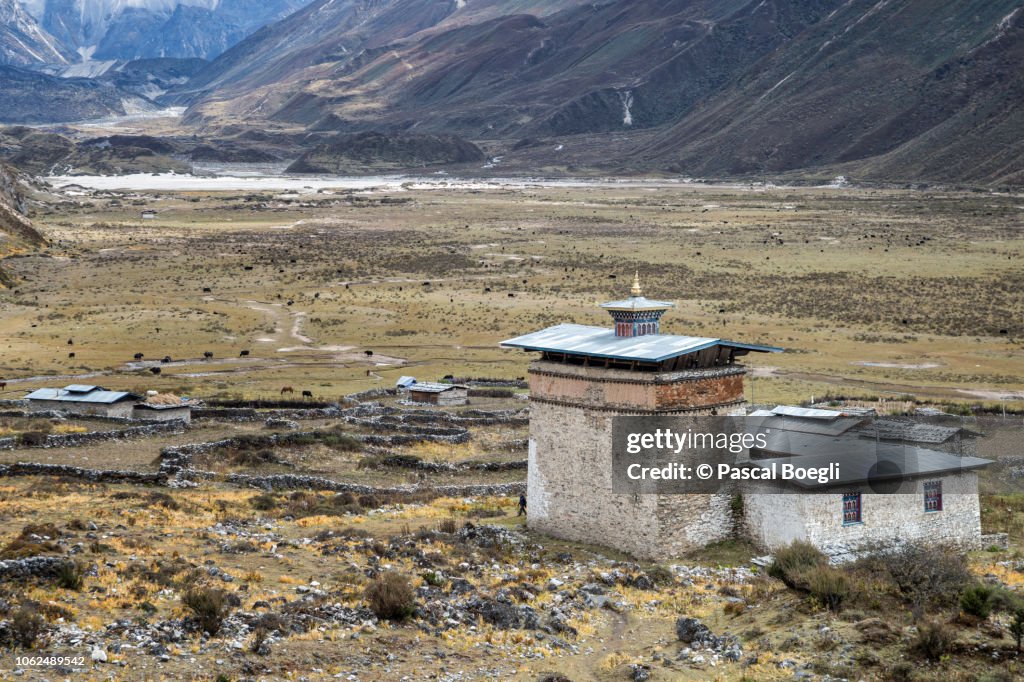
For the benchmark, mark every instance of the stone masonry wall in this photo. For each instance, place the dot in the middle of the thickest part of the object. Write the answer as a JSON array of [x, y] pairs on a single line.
[[569, 483], [887, 520], [569, 479]]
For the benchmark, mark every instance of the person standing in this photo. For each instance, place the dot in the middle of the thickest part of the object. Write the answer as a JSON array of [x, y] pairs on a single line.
[[522, 505]]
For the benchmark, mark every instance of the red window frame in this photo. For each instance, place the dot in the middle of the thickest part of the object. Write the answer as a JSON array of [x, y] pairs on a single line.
[[933, 496], [852, 509]]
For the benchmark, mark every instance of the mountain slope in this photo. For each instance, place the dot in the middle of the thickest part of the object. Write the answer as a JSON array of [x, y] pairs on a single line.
[[327, 38], [891, 89], [31, 97], [140, 29], [16, 230], [23, 42]]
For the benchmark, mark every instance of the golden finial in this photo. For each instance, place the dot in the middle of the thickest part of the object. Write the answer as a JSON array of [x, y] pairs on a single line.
[[636, 290]]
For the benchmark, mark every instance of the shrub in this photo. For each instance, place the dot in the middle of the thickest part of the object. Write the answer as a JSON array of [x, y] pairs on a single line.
[[70, 575], [25, 627], [263, 502], [447, 525], [977, 601], [32, 439], [391, 596], [928, 575], [34, 539], [828, 585], [1017, 627], [209, 606], [934, 640], [795, 560]]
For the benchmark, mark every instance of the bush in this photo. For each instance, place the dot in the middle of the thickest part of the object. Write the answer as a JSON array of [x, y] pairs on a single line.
[[928, 575], [32, 439], [828, 585], [70, 575], [263, 502], [934, 640], [795, 560], [1017, 627], [447, 525], [209, 606], [977, 601], [34, 539], [391, 596], [24, 628]]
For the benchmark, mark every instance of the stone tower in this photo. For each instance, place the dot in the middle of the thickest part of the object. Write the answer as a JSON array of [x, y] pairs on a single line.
[[585, 376]]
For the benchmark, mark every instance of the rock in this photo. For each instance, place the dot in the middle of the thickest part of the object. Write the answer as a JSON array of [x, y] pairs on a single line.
[[555, 584], [640, 673], [99, 655], [691, 630]]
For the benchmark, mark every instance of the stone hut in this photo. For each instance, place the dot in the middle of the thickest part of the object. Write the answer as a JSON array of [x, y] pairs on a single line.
[[438, 394], [83, 400]]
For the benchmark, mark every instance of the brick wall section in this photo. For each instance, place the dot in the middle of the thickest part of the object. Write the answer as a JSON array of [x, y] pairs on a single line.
[[633, 392]]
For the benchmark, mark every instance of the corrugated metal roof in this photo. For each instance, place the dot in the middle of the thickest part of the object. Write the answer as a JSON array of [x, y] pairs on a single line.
[[861, 461], [637, 303], [602, 342], [429, 387], [82, 388], [97, 395], [806, 412]]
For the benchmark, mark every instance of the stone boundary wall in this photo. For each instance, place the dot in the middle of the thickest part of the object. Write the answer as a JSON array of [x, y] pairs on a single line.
[[270, 404], [176, 462], [178, 458], [75, 440], [409, 462], [32, 567], [372, 394], [251, 414], [300, 482], [58, 414], [94, 475]]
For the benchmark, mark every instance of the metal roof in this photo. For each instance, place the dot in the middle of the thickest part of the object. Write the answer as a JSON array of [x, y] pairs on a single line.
[[405, 382], [859, 459], [78, 395], [806, 412], [877, 463], [831, 427], [82, 388], [602, 342], [637, 303], [430, 387]]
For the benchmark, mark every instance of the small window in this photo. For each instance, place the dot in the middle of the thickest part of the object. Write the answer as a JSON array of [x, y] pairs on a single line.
[[933, 496], [851, 508]]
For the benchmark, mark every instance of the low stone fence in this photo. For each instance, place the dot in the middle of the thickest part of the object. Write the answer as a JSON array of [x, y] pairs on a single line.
[[64, 416], [300, 482], [94, 475], [32, 567], [270, 404], [371, 394], [417, 464], [251, 414], [178, 458], [75, 440]]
